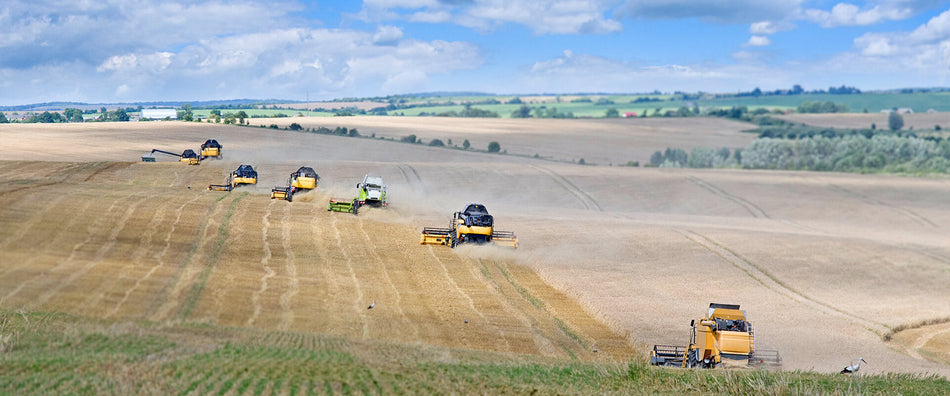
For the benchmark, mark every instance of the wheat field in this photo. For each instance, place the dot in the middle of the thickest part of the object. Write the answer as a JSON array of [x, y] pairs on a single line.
[[619, 258]]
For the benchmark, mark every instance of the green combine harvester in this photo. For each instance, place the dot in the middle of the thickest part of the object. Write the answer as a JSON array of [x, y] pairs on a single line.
[[370, 192]]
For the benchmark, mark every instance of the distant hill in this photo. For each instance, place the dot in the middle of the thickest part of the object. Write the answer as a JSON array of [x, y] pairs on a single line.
[[56, 106]]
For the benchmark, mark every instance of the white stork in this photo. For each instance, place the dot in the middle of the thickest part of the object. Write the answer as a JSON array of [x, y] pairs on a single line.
[[854, 367], [372, 305]]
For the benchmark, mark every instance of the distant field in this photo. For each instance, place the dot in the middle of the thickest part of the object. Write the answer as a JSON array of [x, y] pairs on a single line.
[[859, 103], [915, 121]]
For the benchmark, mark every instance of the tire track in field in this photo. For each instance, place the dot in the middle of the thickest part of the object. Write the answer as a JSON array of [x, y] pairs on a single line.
[[158, 257], [768, 280], [290, 266], [170, 297], [910, 214], [468, 298], [412, 177], [97, 258], [35, 218], [750, 207], [30, 186], [582, 196], [72, 254], [358, 301], [53, 241], [510, 298], [378, 259], [265, 265], [104, 167], [138, 252]]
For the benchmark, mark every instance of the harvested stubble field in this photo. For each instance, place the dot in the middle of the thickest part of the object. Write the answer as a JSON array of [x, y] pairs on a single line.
[[825, 264]]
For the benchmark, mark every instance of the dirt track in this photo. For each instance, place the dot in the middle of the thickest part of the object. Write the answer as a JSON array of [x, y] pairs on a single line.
[[822, 262]]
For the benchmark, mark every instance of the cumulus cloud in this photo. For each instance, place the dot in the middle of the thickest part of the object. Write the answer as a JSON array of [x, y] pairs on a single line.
[[542, 17], [758, 41], [845, 14], [923, 53], [100, 51], [573, 72], [387, 35]]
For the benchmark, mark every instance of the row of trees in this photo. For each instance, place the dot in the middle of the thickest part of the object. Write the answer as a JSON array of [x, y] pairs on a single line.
[[72, 115], [853, 153]]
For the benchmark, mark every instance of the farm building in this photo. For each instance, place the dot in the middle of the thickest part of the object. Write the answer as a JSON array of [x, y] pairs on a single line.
[[159, 114]]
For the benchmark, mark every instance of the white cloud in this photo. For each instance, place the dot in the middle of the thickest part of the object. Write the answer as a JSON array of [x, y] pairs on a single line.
[[845, 14], [923, 53], [387, 35], [542, 17], [758, 41]]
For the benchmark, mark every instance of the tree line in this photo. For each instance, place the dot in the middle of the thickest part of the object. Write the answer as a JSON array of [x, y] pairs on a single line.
[[845, 153]]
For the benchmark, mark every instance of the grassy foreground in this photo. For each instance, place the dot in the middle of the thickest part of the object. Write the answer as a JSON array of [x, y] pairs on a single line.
[[43, 353]]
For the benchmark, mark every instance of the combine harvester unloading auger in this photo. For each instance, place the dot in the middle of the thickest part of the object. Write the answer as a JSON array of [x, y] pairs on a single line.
[[244, 174], [724, 337], [188, 156], [471, 225], [370, 192], [304, 179]]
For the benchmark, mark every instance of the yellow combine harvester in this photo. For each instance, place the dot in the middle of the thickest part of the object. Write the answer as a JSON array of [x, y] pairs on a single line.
[[471, 225], [304, 178], [723, 337], [244, 174], [188, 156], [211, 148]]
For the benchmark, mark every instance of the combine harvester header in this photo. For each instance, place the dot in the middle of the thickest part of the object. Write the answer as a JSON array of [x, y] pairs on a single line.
[[724, 337], [471, 225]]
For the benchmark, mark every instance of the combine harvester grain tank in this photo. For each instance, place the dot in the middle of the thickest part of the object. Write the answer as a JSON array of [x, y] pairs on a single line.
[[471, 225], [211, 148], [304, 179], [723, 338]]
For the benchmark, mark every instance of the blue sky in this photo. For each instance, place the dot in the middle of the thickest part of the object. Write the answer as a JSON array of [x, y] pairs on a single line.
[[107, 51]]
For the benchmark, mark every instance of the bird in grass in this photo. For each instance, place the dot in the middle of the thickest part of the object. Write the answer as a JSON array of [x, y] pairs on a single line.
[[593, 348], [854, 367], [372, 305]]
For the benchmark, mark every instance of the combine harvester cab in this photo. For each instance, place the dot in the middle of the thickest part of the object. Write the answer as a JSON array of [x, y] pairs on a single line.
[[211, 148], [304, 178], [724, 337], [244, 174], [372, 191], [472, 225], [188, 156]]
